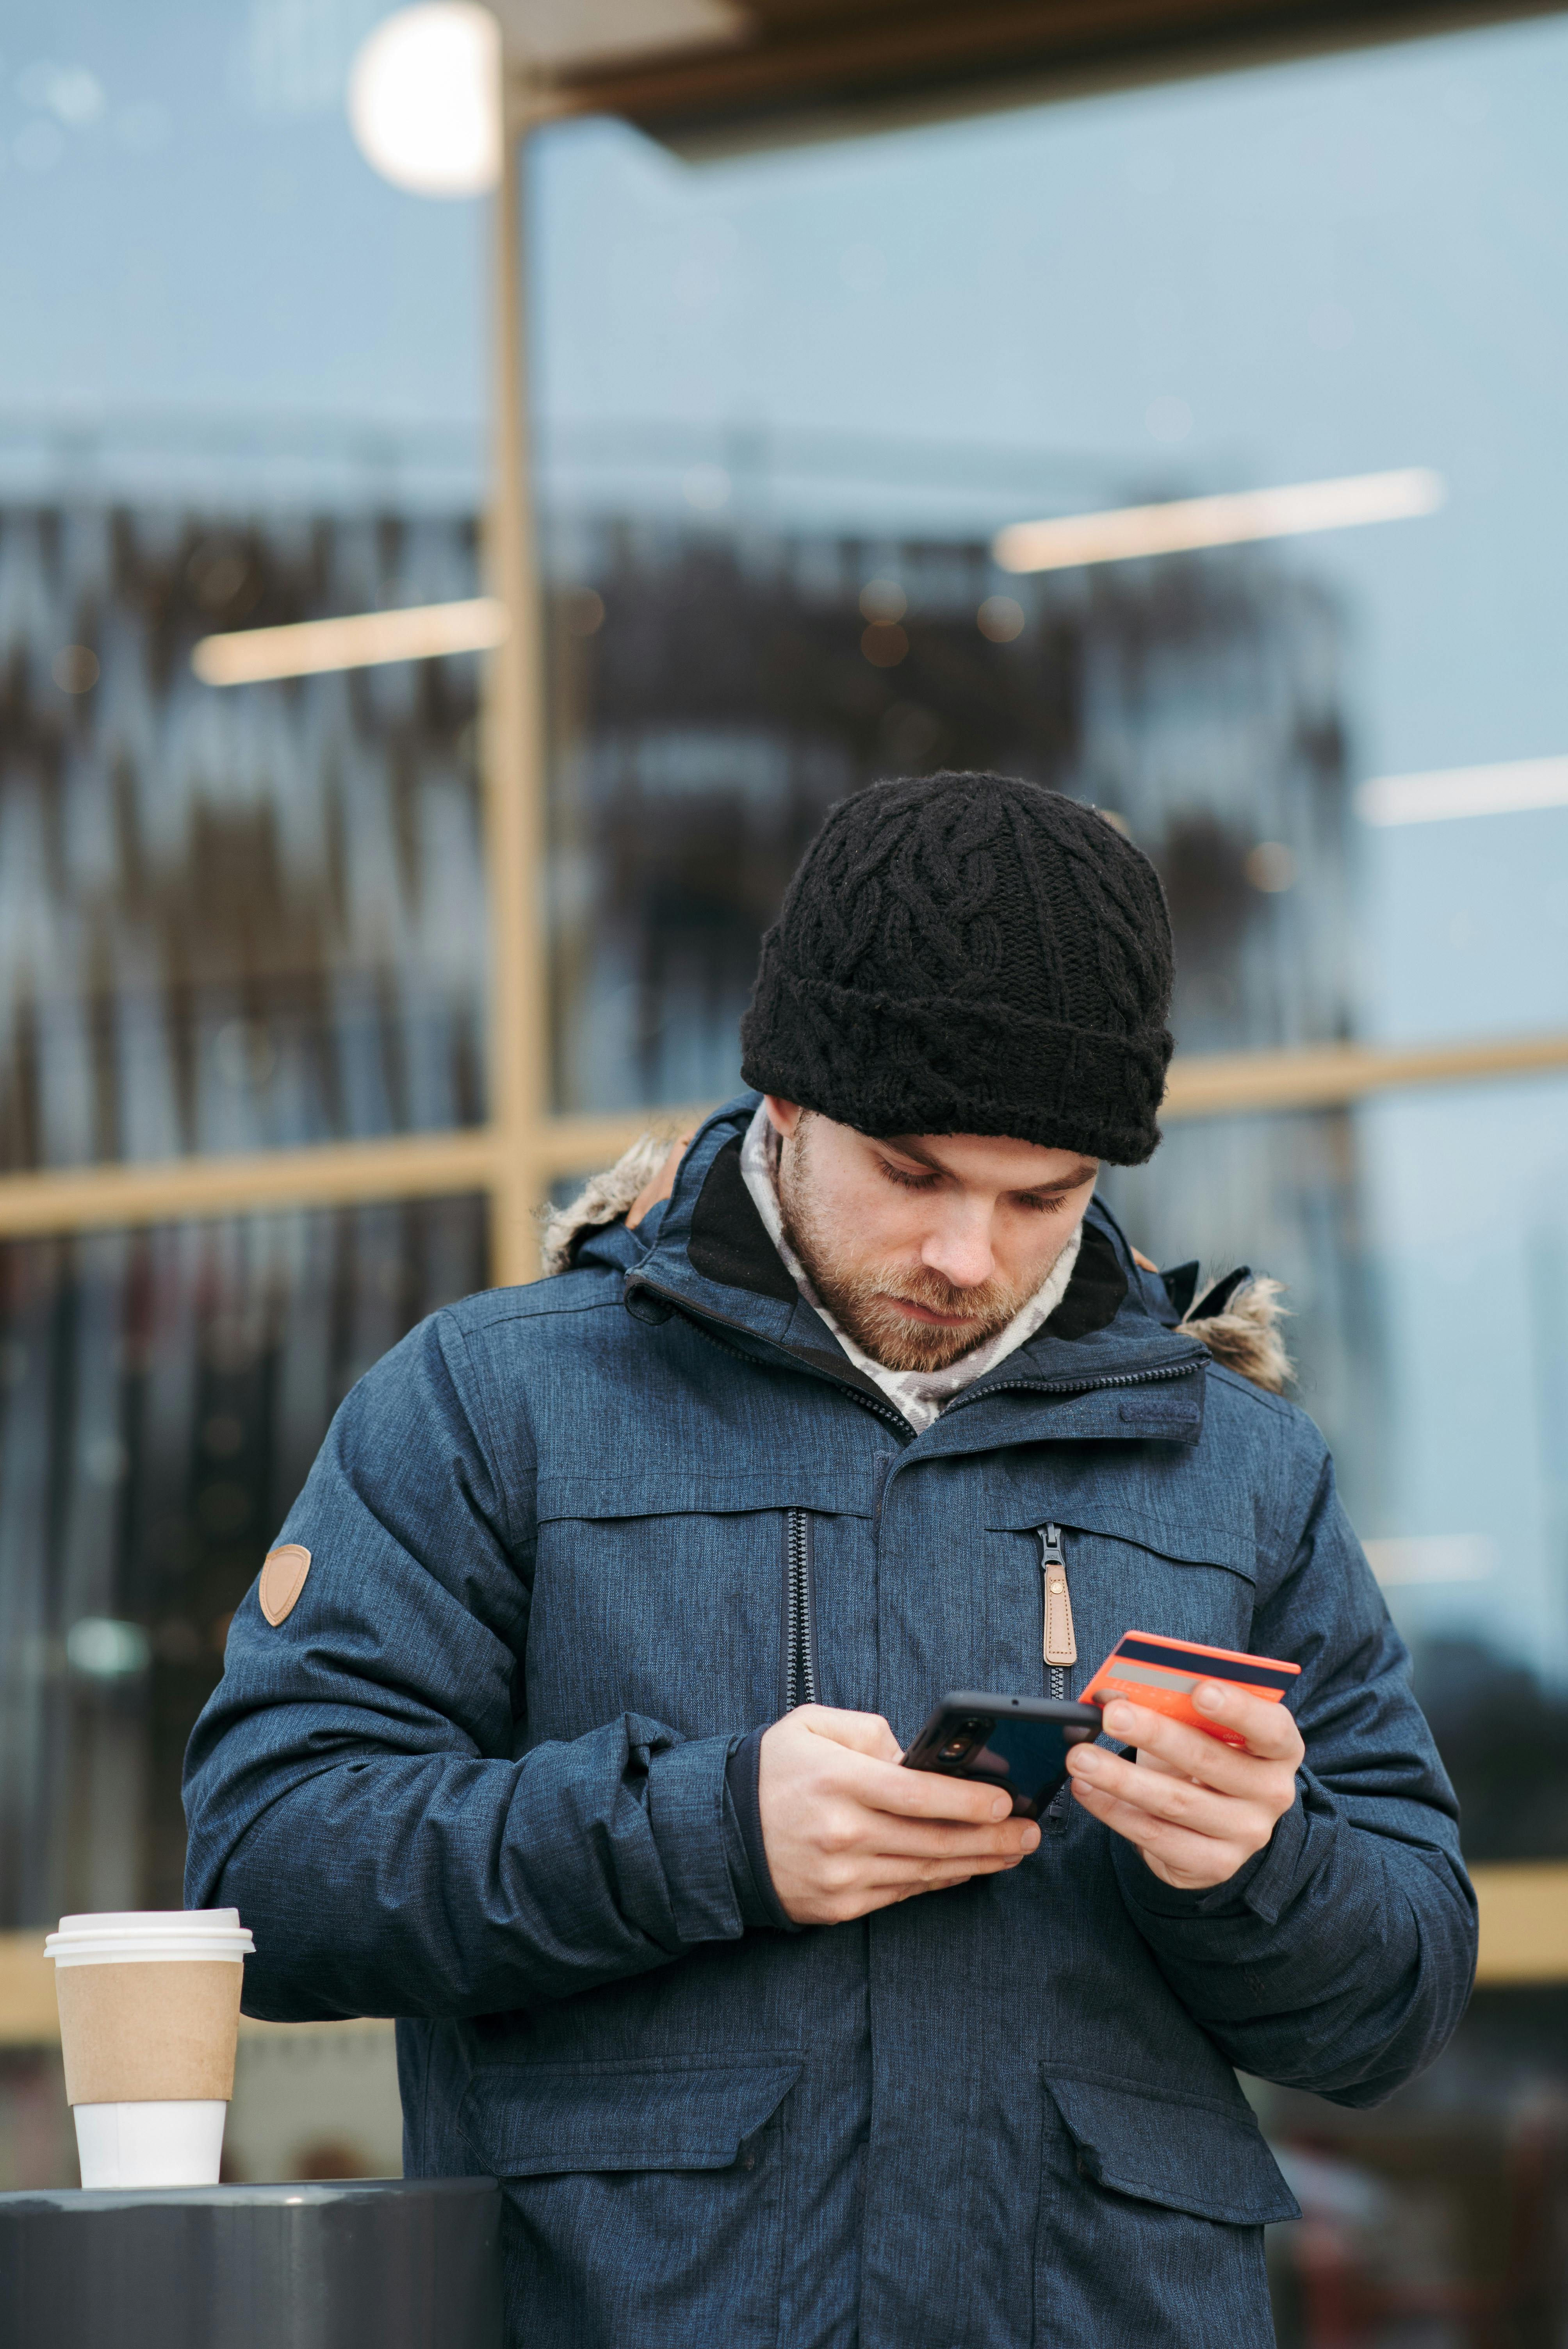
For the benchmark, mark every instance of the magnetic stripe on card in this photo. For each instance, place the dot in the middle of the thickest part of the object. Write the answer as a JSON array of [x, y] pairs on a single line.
[[1250, 1674], [1119, 1673]]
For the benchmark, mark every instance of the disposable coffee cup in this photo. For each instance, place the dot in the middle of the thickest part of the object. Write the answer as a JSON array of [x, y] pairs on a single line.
[[150, 2018]]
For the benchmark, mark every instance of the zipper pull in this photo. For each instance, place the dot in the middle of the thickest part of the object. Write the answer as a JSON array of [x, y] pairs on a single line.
[[1060, 1648]]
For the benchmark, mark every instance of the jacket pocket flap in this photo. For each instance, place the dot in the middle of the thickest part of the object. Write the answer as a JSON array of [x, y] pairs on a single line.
[[1207, 1540], [525, 2120], [1183, 2155]]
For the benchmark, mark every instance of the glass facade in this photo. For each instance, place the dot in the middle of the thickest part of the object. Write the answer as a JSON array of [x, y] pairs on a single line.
[[240, 918], [162, 1394], [716, 694]]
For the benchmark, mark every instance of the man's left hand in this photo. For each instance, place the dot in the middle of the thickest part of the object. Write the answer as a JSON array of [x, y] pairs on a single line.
[[1196, 1808]]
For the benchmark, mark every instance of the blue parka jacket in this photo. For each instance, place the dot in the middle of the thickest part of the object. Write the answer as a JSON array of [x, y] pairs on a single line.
[[569, 1544]]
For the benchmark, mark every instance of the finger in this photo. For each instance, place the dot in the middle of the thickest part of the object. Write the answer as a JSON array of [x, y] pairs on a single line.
[[926, 1794], [1202, 1811], [932, 1873], [866, 1897], [1269, 1730], [1190, 1751], [930, 1839], [1202, 1859], [858, 1732]]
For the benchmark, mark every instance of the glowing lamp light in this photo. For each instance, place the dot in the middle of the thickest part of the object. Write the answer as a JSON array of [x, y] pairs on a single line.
[[1508, 788], [361, 641], [423, 98], [1181, 525]]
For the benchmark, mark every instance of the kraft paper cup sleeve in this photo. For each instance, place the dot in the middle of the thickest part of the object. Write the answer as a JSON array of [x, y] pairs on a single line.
[[150, 2033]]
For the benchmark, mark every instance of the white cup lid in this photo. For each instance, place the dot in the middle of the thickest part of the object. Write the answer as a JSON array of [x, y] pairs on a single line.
[[152, 1921], [114, 1935]]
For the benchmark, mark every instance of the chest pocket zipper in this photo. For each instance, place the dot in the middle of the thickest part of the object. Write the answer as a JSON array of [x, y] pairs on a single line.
[[1058, 1641], [1060, 1645], [799, 1613]]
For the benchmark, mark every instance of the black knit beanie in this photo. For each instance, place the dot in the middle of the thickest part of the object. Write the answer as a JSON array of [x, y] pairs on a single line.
[[969, 954]]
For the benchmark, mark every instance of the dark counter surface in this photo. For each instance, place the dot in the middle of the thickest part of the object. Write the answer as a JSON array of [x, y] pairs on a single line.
[[366, 2264]]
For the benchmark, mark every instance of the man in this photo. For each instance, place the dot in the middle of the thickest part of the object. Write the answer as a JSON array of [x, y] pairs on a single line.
[[565, 1724]]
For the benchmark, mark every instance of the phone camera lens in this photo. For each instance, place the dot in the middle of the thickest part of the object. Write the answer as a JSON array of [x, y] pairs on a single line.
[[955, 1748]]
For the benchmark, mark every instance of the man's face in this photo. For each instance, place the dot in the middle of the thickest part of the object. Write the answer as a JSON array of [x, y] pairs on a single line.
[[923, 1248]]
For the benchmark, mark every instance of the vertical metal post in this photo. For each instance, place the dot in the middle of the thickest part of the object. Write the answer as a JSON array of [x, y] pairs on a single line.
[[514, 742]]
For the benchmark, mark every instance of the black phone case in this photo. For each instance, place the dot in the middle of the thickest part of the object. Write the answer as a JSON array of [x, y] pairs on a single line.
[[1019, 1744]]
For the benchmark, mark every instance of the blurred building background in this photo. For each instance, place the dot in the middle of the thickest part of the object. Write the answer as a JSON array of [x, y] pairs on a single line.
[[311, 986]]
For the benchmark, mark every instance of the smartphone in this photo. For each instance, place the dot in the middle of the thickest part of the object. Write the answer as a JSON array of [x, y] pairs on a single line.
[[1019, 1744]]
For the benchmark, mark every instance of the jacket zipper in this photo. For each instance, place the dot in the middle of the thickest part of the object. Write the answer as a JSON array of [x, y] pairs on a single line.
[[1059, 1644], [800, 1646], [978, 1392], [698, 1318]]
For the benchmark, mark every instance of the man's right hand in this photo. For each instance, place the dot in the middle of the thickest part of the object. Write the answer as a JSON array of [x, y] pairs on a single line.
[[846, 1830]]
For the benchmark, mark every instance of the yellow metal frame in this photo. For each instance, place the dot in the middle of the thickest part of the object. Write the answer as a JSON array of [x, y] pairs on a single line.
[[516, 1158], [513, 746]]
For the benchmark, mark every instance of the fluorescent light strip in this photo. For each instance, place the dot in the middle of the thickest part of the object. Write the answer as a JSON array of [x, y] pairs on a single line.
[[420, 632], [1504, 790], [1126, 533]]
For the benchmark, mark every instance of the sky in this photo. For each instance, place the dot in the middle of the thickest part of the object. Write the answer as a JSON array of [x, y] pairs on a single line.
[[1341, 265]]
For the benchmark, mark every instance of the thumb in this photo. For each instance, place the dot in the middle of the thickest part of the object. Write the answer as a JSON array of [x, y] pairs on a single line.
[[862, 1733]]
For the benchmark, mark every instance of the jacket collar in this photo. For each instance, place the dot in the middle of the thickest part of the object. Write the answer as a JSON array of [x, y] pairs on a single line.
[[709, 1258]]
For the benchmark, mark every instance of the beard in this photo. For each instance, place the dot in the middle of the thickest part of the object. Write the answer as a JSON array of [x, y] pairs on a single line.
[[862, 1297]]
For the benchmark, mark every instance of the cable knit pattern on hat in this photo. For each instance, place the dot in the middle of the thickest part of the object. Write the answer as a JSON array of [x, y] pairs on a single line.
[[970, 954]]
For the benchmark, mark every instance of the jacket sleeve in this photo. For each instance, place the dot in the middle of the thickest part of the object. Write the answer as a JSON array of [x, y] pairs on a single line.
[[354, 1788], [1340, 1958]]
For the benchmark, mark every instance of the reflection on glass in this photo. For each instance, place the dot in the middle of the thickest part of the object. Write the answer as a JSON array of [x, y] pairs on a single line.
[[162, 1394], [714, 693], [229, 919]]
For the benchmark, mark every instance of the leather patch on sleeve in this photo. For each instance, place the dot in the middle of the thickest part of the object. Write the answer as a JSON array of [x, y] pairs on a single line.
[[283, 1579]]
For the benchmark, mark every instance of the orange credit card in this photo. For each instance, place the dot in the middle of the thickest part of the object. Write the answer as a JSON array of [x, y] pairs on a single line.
[[1162, 1673]]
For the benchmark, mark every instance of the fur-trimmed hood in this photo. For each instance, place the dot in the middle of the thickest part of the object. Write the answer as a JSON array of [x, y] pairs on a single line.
[[1245, 1334], [605, 1198]]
